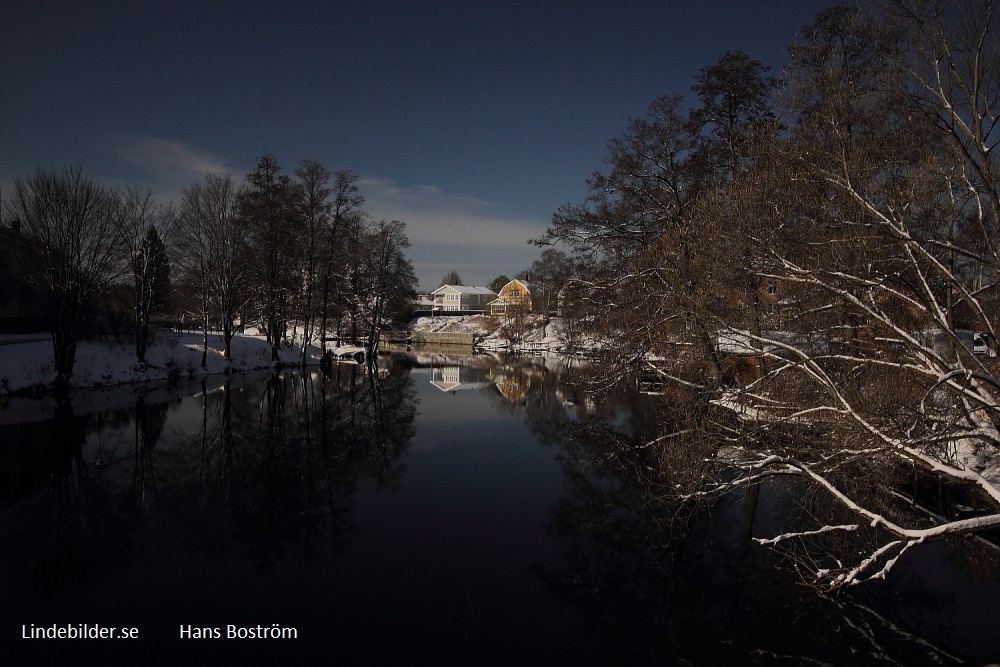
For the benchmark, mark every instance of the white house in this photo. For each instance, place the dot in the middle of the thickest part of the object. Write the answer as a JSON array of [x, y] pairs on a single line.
[[467, 298]]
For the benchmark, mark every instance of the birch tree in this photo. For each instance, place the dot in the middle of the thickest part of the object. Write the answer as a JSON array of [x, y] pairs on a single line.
[[346, 217], [210, 247], [314, 207]]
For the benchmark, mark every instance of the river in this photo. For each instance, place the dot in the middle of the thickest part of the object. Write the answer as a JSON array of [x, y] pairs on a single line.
[[446, 509]]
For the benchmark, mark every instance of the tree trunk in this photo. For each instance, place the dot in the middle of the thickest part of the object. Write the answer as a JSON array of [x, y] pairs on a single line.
[[204, 339], [141, 337]]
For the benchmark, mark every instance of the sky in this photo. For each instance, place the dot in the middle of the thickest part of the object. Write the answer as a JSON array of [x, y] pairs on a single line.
[[471, 121]]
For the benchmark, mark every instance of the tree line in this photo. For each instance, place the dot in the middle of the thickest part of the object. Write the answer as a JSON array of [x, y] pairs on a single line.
[[812, 253], [295, 255]]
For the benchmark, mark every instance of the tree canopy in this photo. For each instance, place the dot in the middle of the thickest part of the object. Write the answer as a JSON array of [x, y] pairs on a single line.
[[814, 255], [451, 278]]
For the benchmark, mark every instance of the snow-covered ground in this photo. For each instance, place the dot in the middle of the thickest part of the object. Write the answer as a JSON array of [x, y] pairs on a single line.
[[481, 325], [541, 332], [26, 361]]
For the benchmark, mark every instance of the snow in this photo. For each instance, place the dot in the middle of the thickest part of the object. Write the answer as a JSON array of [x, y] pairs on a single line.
[[541, 332], [26, 361], [480, 325]]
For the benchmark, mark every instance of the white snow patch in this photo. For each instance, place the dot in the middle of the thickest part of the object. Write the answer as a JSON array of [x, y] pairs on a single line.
[[28, 363]]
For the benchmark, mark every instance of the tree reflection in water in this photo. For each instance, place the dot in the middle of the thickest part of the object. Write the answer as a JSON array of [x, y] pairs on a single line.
[[683, 583], [149, 421], [671, 573], [73, 526], [277, 468], [263, 468]]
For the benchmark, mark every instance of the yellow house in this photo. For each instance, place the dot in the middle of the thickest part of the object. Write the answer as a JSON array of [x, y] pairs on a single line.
[[515, 294]]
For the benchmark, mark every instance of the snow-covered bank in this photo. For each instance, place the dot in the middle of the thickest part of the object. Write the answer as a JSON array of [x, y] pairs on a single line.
[[28, 364], [539, 332], [26, 361]]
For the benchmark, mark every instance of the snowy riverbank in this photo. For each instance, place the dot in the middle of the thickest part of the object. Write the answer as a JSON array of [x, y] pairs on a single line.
[[26, 362], [539, 332]]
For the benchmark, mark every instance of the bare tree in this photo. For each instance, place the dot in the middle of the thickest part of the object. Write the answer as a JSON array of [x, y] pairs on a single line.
[[315, 211], [210, 248], [346, 215], [815, 284], [451, 278], [548, 274], [141, 219], [69, 221], [387, 281], [881, 238], [269, 206]]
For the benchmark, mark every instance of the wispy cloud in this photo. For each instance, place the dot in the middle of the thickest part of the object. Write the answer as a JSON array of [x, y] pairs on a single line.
[[167, 165], [450, 231], [434, 216]]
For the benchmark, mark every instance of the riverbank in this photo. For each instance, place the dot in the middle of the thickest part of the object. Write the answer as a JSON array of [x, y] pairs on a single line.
[[26, 365], [537, 332]]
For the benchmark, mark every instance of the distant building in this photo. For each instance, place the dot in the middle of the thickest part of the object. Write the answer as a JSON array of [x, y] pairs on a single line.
[[515, 294], [423, 302], [465, 298]]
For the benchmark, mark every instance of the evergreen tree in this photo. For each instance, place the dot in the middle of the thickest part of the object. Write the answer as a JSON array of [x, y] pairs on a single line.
[[497, 284]]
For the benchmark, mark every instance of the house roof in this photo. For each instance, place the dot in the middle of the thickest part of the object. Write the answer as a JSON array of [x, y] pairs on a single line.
[[464, 289], [523, 283]]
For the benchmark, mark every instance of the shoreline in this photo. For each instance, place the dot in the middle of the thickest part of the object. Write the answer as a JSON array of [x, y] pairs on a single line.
[[26, 367]]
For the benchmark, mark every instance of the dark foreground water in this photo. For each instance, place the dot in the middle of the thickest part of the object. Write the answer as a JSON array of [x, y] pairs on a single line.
[[451, 513]]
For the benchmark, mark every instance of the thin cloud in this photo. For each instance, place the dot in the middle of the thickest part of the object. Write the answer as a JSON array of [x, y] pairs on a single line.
[[167, 165], [435, 217], [464, 233], [387, 193], [158, 156]]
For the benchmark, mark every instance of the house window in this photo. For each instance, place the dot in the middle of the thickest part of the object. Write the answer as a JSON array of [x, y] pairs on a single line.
[[770, 309], [772, 289]]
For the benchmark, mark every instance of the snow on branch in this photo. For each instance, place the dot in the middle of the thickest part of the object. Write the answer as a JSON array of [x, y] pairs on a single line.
[[887, 554]]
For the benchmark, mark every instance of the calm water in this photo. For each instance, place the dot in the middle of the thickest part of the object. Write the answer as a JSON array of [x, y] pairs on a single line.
[[454, 511]]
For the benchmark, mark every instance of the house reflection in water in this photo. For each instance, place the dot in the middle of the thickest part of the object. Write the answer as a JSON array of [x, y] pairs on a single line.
[[511, 386], [459, 378]]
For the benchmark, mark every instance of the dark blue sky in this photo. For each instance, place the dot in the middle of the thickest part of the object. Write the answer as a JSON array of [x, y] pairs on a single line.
[[471, 121]]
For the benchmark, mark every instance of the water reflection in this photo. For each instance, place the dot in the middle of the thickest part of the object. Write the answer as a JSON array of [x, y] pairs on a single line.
[[277, 463], [288, 473], [683, 582], [260, 468]]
